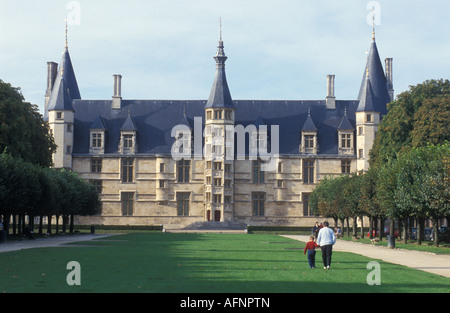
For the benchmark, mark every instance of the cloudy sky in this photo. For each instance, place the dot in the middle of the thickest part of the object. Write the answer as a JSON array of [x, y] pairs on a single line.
[[277, 50]]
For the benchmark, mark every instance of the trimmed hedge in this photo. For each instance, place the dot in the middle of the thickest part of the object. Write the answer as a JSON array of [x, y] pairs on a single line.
[[120, 227], [279, 229]]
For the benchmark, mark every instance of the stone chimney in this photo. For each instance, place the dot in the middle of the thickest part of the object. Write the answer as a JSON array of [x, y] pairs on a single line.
[[52, 72], [117, 96], [331, 99], [389, 77]]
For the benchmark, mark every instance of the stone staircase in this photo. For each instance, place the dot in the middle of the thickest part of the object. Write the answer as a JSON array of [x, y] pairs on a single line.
[[212, 227]]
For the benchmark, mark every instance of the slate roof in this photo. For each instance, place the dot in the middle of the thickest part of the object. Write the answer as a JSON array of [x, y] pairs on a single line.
[[129, 124], [60, 99], [220, 96], [154, 120], [345, 123], [309, 124], [65, 88], [379, 95]]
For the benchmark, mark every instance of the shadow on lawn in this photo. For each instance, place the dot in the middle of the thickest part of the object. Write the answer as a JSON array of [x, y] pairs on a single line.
[[195, 263]]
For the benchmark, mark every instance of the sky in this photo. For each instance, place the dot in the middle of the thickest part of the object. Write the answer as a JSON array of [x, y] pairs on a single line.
[[277, 50]]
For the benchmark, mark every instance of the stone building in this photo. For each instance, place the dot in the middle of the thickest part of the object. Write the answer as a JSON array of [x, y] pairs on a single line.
[[176, 163]]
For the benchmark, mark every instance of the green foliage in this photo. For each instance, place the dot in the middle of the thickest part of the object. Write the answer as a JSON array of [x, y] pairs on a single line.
[[416, 118], [23, 131], [416, 183], [26, 189]]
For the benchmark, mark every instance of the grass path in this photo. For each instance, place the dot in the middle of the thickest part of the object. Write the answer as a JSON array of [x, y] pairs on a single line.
[[201, 263]]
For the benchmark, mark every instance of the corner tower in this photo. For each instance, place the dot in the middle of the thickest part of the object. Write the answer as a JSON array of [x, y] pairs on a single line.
[[373, 97], [64, 89]]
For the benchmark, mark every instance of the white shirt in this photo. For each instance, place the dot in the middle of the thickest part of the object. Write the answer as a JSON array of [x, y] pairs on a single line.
[[326, 237]]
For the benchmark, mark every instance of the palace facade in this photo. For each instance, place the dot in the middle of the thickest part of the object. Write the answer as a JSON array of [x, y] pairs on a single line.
[[130, 149]]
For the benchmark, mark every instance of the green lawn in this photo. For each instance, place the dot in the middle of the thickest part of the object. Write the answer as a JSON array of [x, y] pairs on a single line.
[[201, 263]]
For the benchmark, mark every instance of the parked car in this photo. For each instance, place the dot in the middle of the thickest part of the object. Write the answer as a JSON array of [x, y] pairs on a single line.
[[428, 232], [444, 234], [385, 233], [414, 233]]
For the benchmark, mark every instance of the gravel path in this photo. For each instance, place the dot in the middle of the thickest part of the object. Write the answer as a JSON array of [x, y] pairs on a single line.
[[425, 261], [48, 242]]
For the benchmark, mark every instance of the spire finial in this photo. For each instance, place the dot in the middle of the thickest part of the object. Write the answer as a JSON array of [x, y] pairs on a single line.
[[220, 56], [373, 24], [67, 45], [220, 25]]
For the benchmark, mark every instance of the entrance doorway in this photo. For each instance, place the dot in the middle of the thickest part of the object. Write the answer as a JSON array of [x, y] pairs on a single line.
[[217, 216]]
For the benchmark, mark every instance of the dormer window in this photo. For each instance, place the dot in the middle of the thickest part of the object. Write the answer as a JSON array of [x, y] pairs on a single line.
[[309, 143], [128, 133], [346, 134], [369, 118], [346, 140], [97, 140], [97, 145], [97, 137], [128, 143], [59, 115]]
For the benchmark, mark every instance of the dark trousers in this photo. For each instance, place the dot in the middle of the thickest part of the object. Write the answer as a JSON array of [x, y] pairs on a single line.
[[327, 250], [312, 258]]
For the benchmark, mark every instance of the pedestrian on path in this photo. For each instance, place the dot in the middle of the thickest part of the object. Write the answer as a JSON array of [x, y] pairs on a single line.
[[310, 247], [326, 239], [315, 230]]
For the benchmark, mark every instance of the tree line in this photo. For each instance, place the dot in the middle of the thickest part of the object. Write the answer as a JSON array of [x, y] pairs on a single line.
[[409, 167], [34, 191], [28, 186]]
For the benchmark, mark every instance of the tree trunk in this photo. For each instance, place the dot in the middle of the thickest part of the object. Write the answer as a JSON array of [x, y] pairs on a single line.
[[420, 231], [41, 217], [348, 227], [14, 220], [49, 224], [362, 227], [381, 232], [64, 223], [31, 222], [375, 226], [405, 231], [400, 228], [435, 231], [355, 225], [71, 223], [392, 228], [370, 227]]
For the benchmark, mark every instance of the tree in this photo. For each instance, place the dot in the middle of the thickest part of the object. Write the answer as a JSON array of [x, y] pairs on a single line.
[[407, 119], [431, 125], [351, 193], [23, 131], [368, 201], [417, 184]]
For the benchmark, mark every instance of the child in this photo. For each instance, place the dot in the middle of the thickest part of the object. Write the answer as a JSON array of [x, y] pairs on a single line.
[[311, 247]]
